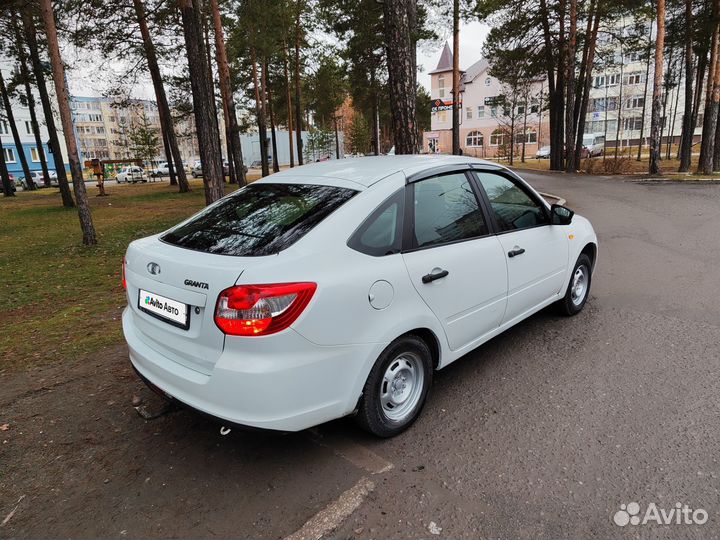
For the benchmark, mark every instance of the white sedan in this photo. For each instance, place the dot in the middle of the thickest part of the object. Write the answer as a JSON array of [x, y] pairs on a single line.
[[338, 288], [131, 174]]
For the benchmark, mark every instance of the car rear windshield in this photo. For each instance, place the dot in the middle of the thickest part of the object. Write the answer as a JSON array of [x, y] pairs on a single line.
[[259, 219]]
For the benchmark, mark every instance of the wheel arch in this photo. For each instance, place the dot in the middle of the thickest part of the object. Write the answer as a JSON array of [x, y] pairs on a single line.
[[590, 250], [431, 340]]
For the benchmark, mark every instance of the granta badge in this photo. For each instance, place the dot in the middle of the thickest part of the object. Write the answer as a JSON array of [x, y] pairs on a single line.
[[198, 284]]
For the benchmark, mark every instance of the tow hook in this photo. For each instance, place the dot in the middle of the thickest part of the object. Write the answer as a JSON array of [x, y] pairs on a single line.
[[142, 410], [224, 430]]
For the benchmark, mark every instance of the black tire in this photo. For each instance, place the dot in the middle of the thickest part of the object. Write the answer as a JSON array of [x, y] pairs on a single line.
[[573, 301], [372, 415]]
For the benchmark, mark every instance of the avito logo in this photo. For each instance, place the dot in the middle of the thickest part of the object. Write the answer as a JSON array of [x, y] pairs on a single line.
[[680, 514]]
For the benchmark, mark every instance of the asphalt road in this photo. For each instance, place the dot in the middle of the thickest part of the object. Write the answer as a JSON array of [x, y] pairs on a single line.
[[543, 432]]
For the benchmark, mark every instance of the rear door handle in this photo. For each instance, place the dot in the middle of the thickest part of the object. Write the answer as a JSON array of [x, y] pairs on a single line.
[[515, 252], [427, 278]]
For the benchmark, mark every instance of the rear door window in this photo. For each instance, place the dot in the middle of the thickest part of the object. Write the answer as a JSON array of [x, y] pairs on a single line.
[[259, 219]]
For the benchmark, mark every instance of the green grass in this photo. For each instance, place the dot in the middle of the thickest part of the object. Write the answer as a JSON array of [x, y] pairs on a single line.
[[60, 300]]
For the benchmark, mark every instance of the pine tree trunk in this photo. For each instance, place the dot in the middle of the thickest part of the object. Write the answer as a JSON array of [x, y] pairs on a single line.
[[298, 89], [48, 113], [644, 107], [19, 150], [654, 167], [260, 114], [337, 138], [556, 100], [234, 145], [595, 16], [58, 69], [688, 128], [399, 53], [24, 73], [164, 113], [456, 80], [291, 147], [203, 102], [671, 138], [7, 185], [273, 140], [169, 159], [570, 52], [705, 164]]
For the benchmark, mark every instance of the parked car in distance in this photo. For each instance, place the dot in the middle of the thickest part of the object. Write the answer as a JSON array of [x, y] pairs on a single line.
[[593, 145], [256, 164], [39, 180], [197, 169], [131, 174], [161, 170], [543, 153], [339, 289]]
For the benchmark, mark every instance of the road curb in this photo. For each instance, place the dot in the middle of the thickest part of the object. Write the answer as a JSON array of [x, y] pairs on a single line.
[[559, 200]]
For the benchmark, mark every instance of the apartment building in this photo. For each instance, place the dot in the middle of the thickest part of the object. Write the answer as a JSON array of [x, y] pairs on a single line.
[[103, 126], [485, 124], [28, 144], [619, 108]]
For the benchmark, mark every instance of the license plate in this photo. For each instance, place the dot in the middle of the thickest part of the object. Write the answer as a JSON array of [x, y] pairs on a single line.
[[167, 309]]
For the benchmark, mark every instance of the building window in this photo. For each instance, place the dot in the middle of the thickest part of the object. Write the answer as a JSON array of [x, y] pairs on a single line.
[[530, 137], [441, 86], [497, 138], [521, 109], [635, 102], [28, 127], [34, 155], [634, 78], [493, 112], [9, 155], [4, 127], [468, 113], [534, 108], [481, 111], [474, 138], [632, 124], [488, 80]]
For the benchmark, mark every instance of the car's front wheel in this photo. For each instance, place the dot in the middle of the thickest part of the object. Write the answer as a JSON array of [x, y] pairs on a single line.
[[396, 388], [578, 289]]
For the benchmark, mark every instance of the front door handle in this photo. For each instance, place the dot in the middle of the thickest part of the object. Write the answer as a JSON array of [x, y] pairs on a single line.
[[427, 278], [515, 252]]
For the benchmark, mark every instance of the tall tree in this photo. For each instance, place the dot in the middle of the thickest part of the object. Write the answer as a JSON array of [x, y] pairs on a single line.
[[58, 69], [456, 79], [291, 147], [30, 99], [19, 149], [203, 101], [234, 147], [260, 113], [570, 53], [400, 63], [688, 128], [712, 97], [586, 76], [299, 7], [172, 149], [48, 113], [654, 167]]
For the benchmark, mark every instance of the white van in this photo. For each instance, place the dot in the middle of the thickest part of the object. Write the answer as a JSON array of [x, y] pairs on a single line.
[[593, 145]]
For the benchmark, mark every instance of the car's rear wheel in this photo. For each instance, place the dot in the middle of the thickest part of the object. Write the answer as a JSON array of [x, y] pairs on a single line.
[[578, 289], [396, 388]]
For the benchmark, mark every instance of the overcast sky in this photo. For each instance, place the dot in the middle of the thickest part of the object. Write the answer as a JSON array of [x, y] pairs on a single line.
[[86, 81]]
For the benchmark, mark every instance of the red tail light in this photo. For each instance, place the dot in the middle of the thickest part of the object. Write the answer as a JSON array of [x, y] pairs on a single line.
[[255, 310], [124, 281]]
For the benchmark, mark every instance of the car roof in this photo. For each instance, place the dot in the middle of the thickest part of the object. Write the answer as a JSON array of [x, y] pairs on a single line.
[[368, 170]]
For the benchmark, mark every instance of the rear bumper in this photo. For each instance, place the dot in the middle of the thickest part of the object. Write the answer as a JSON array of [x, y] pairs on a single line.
[[281, 382]]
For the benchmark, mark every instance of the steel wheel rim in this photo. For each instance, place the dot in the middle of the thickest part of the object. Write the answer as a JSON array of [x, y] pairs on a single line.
[[401, 387], [578, 288]]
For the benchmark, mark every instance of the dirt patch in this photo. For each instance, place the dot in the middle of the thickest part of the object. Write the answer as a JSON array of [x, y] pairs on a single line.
[[88, 466]]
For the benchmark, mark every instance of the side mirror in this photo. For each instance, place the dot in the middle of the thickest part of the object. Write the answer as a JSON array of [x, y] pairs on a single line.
[[559, 215]]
